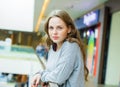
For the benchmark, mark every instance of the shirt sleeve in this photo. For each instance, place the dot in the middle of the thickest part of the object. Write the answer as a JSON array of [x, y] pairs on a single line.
[[65, 65]]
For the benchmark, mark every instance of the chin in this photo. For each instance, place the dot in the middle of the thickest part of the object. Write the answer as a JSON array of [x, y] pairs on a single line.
[[56, 41]]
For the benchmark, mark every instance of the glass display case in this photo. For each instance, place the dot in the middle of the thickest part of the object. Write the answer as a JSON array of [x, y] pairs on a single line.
[[22, 60]]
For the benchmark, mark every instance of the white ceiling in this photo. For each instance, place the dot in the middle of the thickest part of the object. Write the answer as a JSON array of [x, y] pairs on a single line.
[[26, 12], [76, 8]]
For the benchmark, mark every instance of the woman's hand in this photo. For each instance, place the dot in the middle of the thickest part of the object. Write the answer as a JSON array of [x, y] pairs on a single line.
[[44, 84], [35, 80]]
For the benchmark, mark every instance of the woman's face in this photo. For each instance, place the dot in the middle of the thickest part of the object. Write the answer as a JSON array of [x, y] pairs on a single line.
[[57, 30]]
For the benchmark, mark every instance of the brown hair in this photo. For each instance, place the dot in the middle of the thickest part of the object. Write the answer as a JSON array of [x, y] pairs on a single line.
[[73, 36]]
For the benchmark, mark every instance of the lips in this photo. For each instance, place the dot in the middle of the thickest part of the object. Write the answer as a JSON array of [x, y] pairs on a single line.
[[55, 37]]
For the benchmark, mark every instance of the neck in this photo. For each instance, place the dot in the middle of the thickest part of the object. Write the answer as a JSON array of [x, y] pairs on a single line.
[[57, 46]]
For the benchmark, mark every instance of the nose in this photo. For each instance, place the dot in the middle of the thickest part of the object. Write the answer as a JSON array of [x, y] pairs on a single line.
[[55, 31]]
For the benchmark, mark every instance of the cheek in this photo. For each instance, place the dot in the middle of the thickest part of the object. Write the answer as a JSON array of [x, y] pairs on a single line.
[[49, 33], [63, 34]]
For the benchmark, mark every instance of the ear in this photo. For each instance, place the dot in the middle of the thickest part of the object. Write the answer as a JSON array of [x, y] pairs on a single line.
[[69, 29]]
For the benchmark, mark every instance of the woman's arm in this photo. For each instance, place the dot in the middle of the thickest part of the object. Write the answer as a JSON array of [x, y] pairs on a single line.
[[65, 65]]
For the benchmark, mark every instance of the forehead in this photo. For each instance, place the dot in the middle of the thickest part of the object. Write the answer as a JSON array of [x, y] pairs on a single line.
[[56, 20]]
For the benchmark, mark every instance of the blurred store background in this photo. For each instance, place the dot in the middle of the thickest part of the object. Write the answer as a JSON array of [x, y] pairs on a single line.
[[22, 38]]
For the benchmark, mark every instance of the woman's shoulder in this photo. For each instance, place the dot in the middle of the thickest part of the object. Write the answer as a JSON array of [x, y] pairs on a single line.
[[70, 44]]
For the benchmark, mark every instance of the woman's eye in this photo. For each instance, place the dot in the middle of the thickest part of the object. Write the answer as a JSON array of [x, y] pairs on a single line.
[[50, 28], [59, 28]]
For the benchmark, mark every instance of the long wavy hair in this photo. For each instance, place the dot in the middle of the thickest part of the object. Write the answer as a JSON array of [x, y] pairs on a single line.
[[73, 36]]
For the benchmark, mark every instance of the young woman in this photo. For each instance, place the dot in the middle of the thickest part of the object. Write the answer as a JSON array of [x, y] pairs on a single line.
[[66, 64]]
